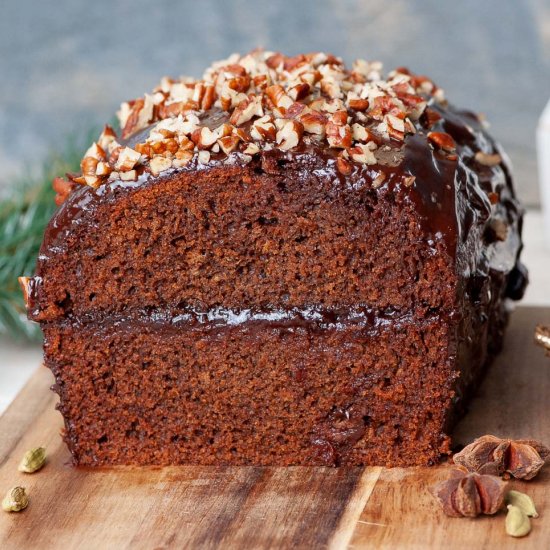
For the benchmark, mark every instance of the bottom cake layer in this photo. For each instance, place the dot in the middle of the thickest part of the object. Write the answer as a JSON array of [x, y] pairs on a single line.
[[261, 392]]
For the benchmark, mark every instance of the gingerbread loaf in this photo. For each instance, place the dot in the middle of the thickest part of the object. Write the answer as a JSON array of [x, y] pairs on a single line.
[[288, 262]]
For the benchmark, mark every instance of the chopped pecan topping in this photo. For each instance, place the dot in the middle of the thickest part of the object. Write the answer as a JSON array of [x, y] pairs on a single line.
[[127, 159], [314, 123], [263, 129], [265, 100]]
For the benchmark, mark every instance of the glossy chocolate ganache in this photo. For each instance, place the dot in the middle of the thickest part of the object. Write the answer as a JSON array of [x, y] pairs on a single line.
[[345, 242]]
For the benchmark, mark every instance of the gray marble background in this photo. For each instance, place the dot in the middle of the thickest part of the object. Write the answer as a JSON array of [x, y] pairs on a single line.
[[67, 64]]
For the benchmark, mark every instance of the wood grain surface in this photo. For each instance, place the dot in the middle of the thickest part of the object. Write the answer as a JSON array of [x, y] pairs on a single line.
[[207, 507]]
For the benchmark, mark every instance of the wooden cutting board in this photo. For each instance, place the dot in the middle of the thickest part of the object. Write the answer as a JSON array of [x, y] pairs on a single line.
[[208, 507]]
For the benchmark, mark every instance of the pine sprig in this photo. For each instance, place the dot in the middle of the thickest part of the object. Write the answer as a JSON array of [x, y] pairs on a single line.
[[24, 214]]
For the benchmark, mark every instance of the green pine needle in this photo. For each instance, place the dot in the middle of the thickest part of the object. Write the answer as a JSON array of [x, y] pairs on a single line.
[[24, 214]]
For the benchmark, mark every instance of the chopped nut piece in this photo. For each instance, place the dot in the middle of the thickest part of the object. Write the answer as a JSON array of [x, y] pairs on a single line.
[[62, 188], [204, 137], [181, 158], [289, 134], [442, 141], [245, 111], [300, 91], [107, 137], [208, 98], [15, 500], [242, 134], [409, 180], [123, 113], [88, 166], [130, 175], [139, 117], [204, 157], [338, 132], [397, 124], [542, 337], [263, 129], [488, 454], [358, 104], [251, 149], [92, 181], [229, 143], [102, 169], [295, 110], [314, 123], [33, 460], [362, 153], [261, 81], [279, 98], [487, 159], [344, 166], [470, 494], [379, 180], [360, 133], [331, 87], [127, 159], [159, 164]]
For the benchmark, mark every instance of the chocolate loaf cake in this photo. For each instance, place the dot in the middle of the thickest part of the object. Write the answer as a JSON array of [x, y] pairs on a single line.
[[288, 262]]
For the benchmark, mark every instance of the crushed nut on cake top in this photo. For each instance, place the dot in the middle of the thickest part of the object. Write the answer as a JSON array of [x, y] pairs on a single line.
[[262, 101]]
